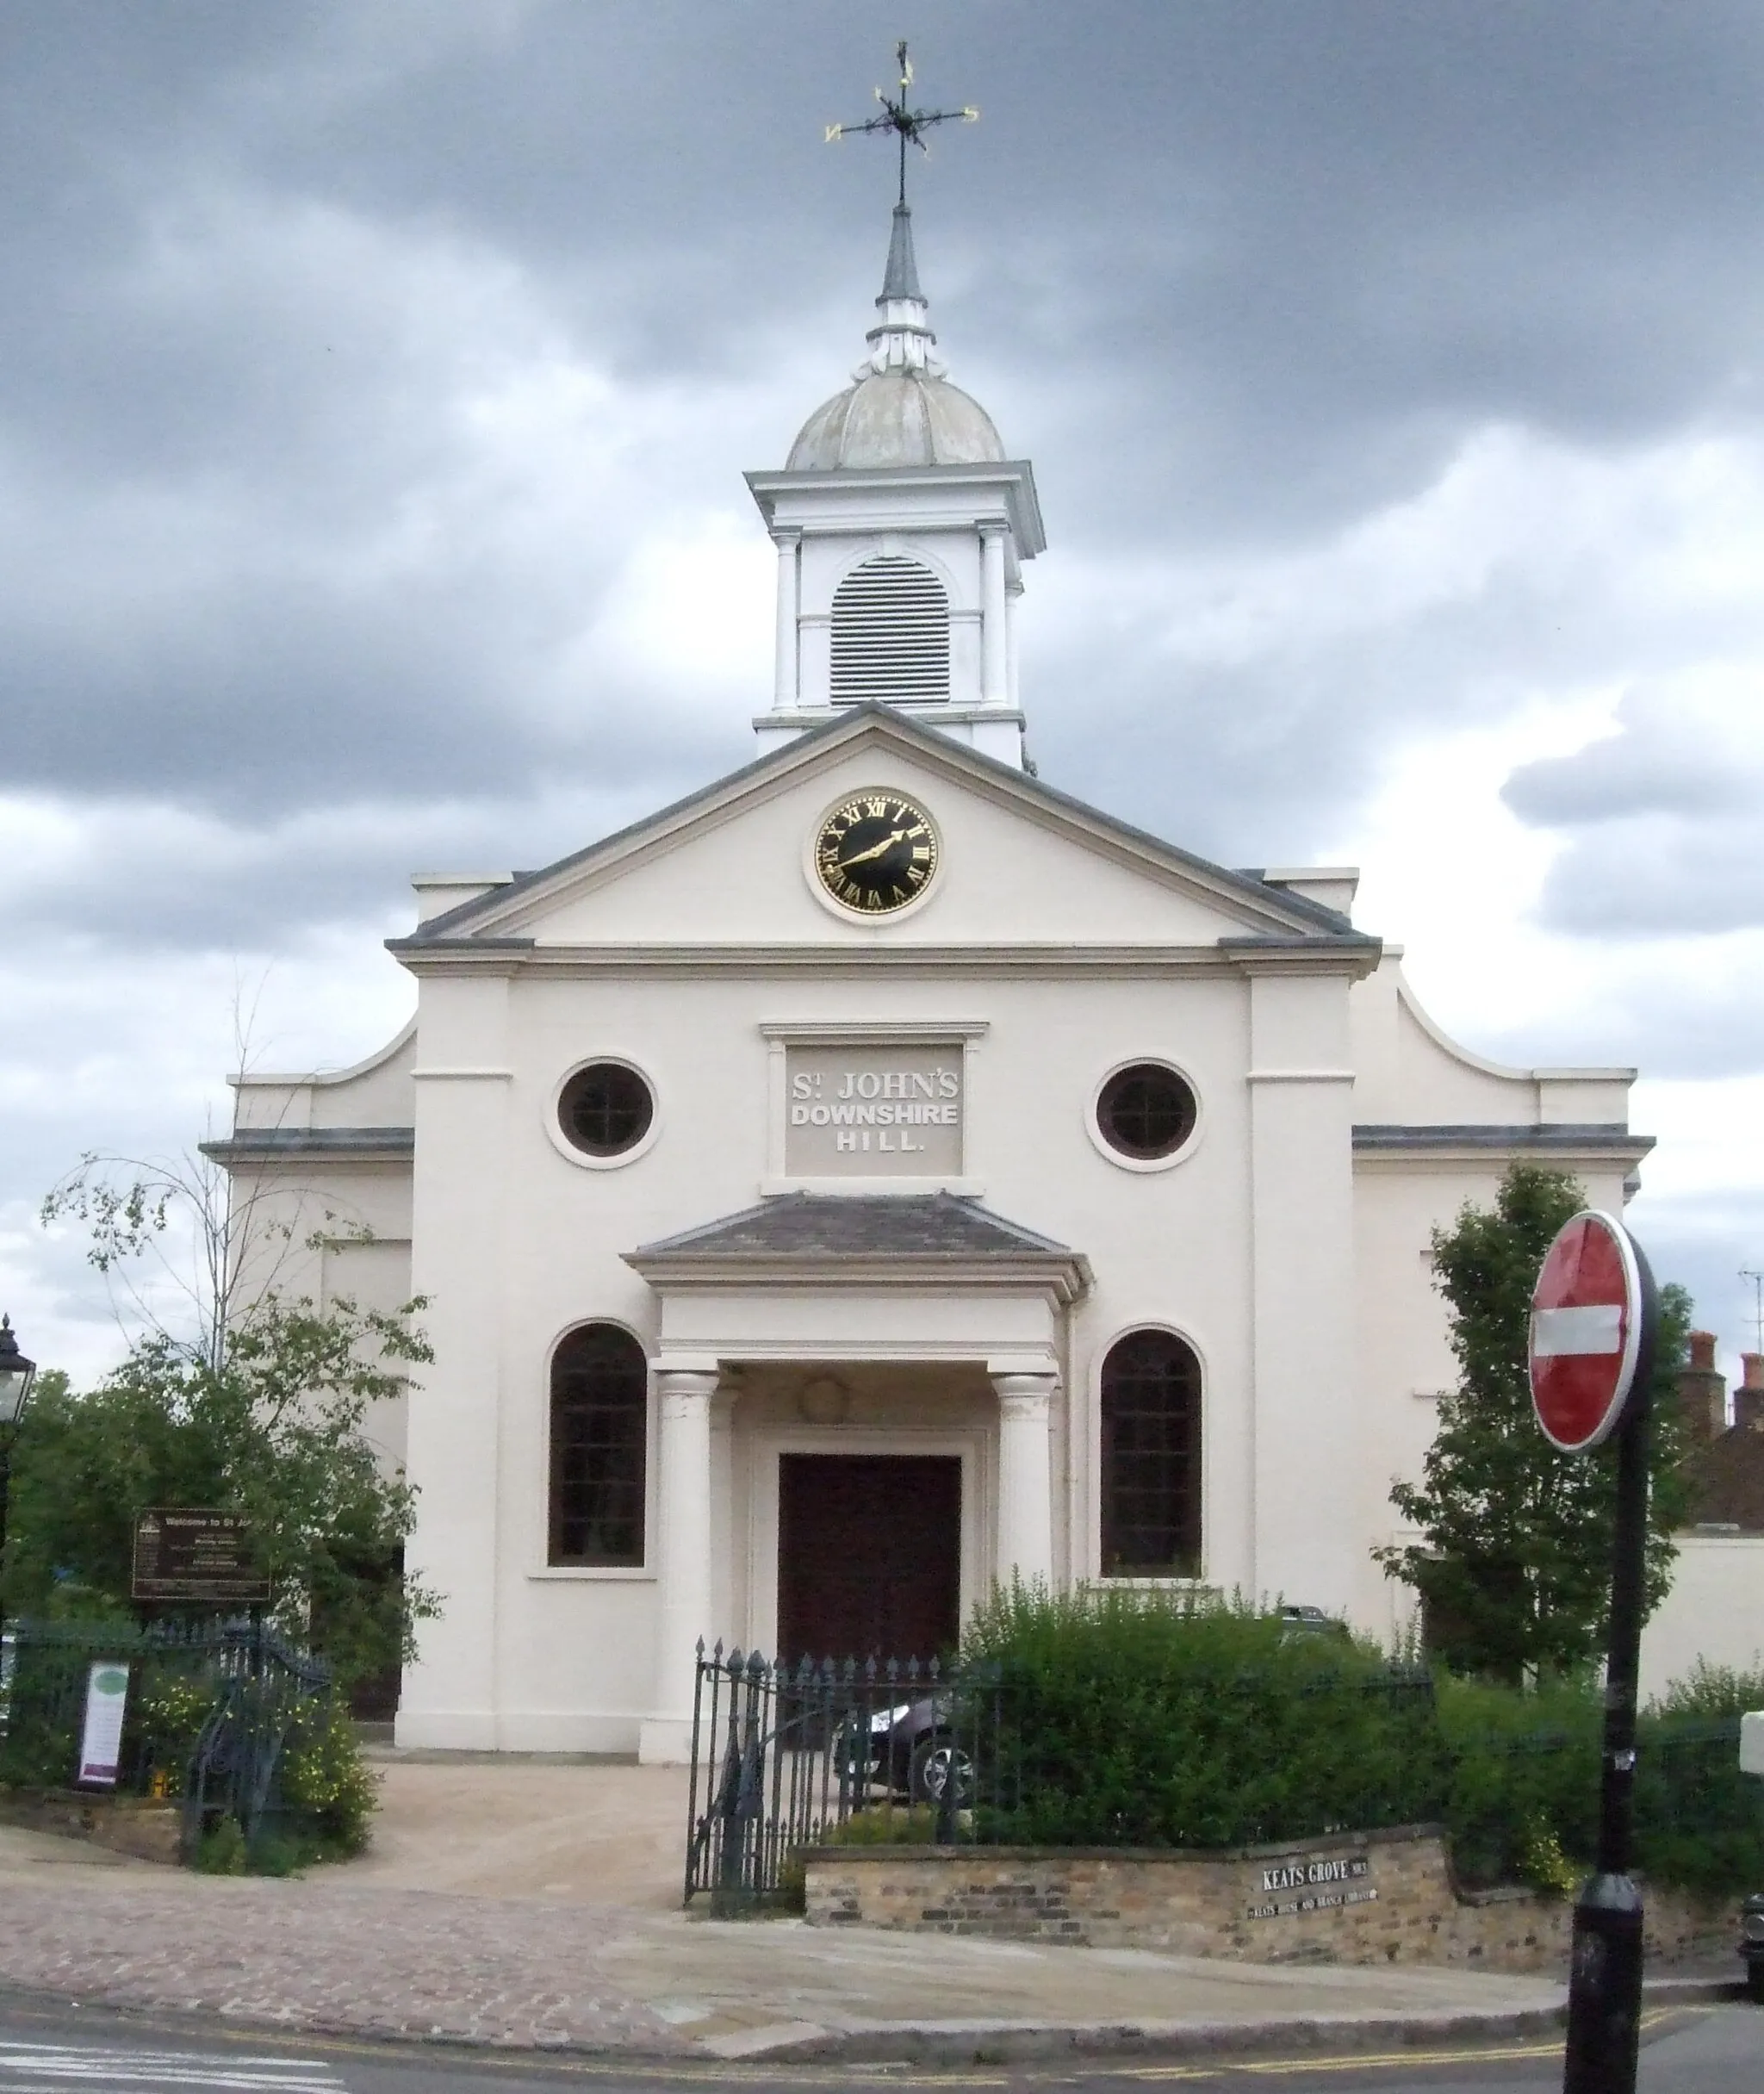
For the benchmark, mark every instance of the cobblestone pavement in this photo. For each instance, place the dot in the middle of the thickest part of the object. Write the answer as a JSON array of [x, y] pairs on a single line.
[[326, 1953], [534, 1902]]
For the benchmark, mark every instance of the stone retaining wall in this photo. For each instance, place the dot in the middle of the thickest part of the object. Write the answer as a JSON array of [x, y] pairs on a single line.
[[124, 1825], [1371, 1897]]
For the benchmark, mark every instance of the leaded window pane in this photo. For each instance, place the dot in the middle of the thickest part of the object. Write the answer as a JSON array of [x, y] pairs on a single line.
[[1151, 1457], [599, 1427]]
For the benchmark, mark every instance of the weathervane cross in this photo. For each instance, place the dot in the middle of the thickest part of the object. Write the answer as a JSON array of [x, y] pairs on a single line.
[[909, 126]]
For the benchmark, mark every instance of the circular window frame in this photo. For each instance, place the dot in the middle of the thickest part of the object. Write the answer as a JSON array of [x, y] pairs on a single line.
[[554, 1120], [1119, 1158], [862, 919]]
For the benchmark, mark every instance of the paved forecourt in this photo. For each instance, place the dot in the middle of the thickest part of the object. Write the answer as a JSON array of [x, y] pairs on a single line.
[[332, 1953]]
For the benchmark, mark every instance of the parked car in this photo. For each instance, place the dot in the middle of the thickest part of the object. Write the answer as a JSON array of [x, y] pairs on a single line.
[[1310, 1621], [911, 1749]]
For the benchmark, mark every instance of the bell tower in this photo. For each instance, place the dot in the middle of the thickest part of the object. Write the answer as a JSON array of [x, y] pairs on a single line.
[[901, 530]]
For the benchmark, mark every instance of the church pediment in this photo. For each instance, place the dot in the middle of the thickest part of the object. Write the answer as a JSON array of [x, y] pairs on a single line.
[[988, 857]]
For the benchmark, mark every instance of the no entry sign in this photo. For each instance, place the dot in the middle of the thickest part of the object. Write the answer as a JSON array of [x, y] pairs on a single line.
[[1587, 1332]]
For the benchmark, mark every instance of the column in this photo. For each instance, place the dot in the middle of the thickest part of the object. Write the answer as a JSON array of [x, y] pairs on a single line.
[[1025, 1477], [994, 669], [682, 1556], [783, 691]]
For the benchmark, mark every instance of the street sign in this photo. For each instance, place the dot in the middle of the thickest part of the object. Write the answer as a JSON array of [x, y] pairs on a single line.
[[1585, 1332], [1594, 1318], [193, 1554]]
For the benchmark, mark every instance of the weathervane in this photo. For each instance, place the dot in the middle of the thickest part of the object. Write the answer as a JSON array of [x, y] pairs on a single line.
[[907, 125]]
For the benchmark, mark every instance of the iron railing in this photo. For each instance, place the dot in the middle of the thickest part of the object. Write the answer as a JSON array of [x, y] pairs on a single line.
[[786, 1757], [211, 1708]]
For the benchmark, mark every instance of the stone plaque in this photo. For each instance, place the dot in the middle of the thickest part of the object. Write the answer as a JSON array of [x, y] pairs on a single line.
[[1304, 1885], [189, 1552], [873, 1111]]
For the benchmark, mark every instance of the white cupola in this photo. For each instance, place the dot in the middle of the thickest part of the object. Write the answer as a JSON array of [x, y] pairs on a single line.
[[901, 529]]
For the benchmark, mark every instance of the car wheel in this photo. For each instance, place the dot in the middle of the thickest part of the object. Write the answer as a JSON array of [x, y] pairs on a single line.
[[937, 1759], [1754, 1981]]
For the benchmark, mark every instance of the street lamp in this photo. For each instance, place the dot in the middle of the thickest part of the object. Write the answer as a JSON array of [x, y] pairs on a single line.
[[16, 1374]]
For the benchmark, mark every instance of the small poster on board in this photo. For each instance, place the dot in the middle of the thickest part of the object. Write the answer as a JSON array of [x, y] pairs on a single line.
[[101, 1739]]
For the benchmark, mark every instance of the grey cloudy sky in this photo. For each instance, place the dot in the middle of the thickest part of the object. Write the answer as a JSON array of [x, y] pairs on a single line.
[[377, 377]]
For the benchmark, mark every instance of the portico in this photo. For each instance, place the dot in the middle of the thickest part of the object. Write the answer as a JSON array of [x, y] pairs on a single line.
[[825, 1329]]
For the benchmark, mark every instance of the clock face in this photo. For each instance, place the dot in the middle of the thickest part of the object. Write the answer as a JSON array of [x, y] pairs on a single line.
[[875, 853]]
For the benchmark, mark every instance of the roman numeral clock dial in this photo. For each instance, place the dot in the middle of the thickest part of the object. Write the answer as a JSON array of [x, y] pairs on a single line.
[[875, 853]]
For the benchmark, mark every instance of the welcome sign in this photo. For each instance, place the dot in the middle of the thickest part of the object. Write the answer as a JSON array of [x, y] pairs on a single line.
[[873, 1111]]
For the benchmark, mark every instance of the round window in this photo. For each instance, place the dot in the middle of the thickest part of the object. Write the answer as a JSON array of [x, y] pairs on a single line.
[[1146, 1111], [605, 1109]]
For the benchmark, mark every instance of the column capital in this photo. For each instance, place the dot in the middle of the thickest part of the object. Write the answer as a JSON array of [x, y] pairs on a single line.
[[1026, 1394], [684, 1388]]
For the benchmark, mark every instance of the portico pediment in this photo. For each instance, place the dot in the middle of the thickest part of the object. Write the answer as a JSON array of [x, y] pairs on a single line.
[[929, 1243]]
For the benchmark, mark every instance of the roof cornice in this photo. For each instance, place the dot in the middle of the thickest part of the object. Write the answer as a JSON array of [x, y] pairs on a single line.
[[1065, 1277], [331, 1145], [1014, 478], [1047, 961], [1381, 1146]]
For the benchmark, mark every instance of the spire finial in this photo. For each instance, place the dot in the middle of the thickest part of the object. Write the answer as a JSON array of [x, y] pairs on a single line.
[[907, 125], [903, 339]]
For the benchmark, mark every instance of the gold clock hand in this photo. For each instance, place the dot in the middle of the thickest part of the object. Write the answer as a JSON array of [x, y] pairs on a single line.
[[875, 851]]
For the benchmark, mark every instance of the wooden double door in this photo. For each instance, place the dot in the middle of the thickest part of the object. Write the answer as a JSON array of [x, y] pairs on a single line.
[[869, 1556]]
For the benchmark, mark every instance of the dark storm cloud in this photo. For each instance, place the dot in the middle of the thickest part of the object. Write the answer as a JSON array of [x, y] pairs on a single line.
[[1662, 820], [1232, 278]]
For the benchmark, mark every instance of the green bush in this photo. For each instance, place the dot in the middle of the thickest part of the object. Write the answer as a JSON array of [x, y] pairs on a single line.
[[1525, 1770], [326, 1779], [885, 1825], [222, 1851], [1136, 1719], [1129, 1718], [1526, 1776]]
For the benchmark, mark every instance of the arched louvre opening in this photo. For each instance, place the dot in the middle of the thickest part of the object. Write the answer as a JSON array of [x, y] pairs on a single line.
[[891, 632], [599, 1429], [1151, 1457]]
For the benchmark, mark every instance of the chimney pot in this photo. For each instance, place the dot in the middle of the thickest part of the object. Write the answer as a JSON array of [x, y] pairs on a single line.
[[1703, 1349], [1749, 1397]]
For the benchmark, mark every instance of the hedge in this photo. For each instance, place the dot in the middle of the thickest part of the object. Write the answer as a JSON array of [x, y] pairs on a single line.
[[1148, 1719]]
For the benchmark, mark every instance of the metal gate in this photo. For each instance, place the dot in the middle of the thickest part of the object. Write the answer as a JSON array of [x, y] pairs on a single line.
[[786, 1757]]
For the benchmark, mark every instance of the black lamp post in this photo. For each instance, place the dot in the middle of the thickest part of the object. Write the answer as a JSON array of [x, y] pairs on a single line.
[[16, 1374]]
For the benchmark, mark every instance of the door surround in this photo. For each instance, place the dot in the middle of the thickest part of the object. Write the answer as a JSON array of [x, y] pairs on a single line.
[[971, 1448]]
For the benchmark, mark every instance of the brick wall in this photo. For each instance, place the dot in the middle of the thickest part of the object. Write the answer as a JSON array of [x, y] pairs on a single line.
[[1380, 1898]]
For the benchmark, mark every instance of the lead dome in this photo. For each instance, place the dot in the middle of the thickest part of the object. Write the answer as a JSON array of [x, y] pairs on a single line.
[[901, 410]]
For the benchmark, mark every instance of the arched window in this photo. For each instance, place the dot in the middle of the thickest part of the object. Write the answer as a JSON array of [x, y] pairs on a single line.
[[891, 632], [599, 1424], [1151, 1458]]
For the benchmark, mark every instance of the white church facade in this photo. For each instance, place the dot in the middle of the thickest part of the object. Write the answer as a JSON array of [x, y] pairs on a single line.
[[881, 1174]]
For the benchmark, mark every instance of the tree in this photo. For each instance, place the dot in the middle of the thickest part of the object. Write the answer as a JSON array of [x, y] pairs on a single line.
[[258, 1410], [1513, 1562]]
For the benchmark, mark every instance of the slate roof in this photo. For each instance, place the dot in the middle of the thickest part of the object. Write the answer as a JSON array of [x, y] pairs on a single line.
[[818, 1228]]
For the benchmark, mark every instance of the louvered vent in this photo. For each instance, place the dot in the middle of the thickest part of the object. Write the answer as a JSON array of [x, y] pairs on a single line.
[[891, 632]]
